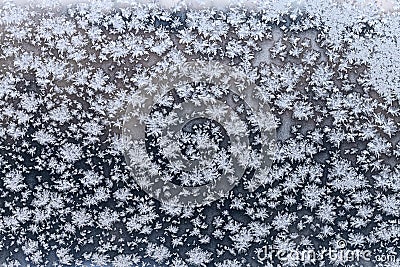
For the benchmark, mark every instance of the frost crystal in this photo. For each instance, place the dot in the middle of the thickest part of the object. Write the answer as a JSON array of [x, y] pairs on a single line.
[[207, 133]]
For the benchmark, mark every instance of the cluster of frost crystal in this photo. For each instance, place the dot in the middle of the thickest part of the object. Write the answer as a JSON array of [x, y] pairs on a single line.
[[327, 71]]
